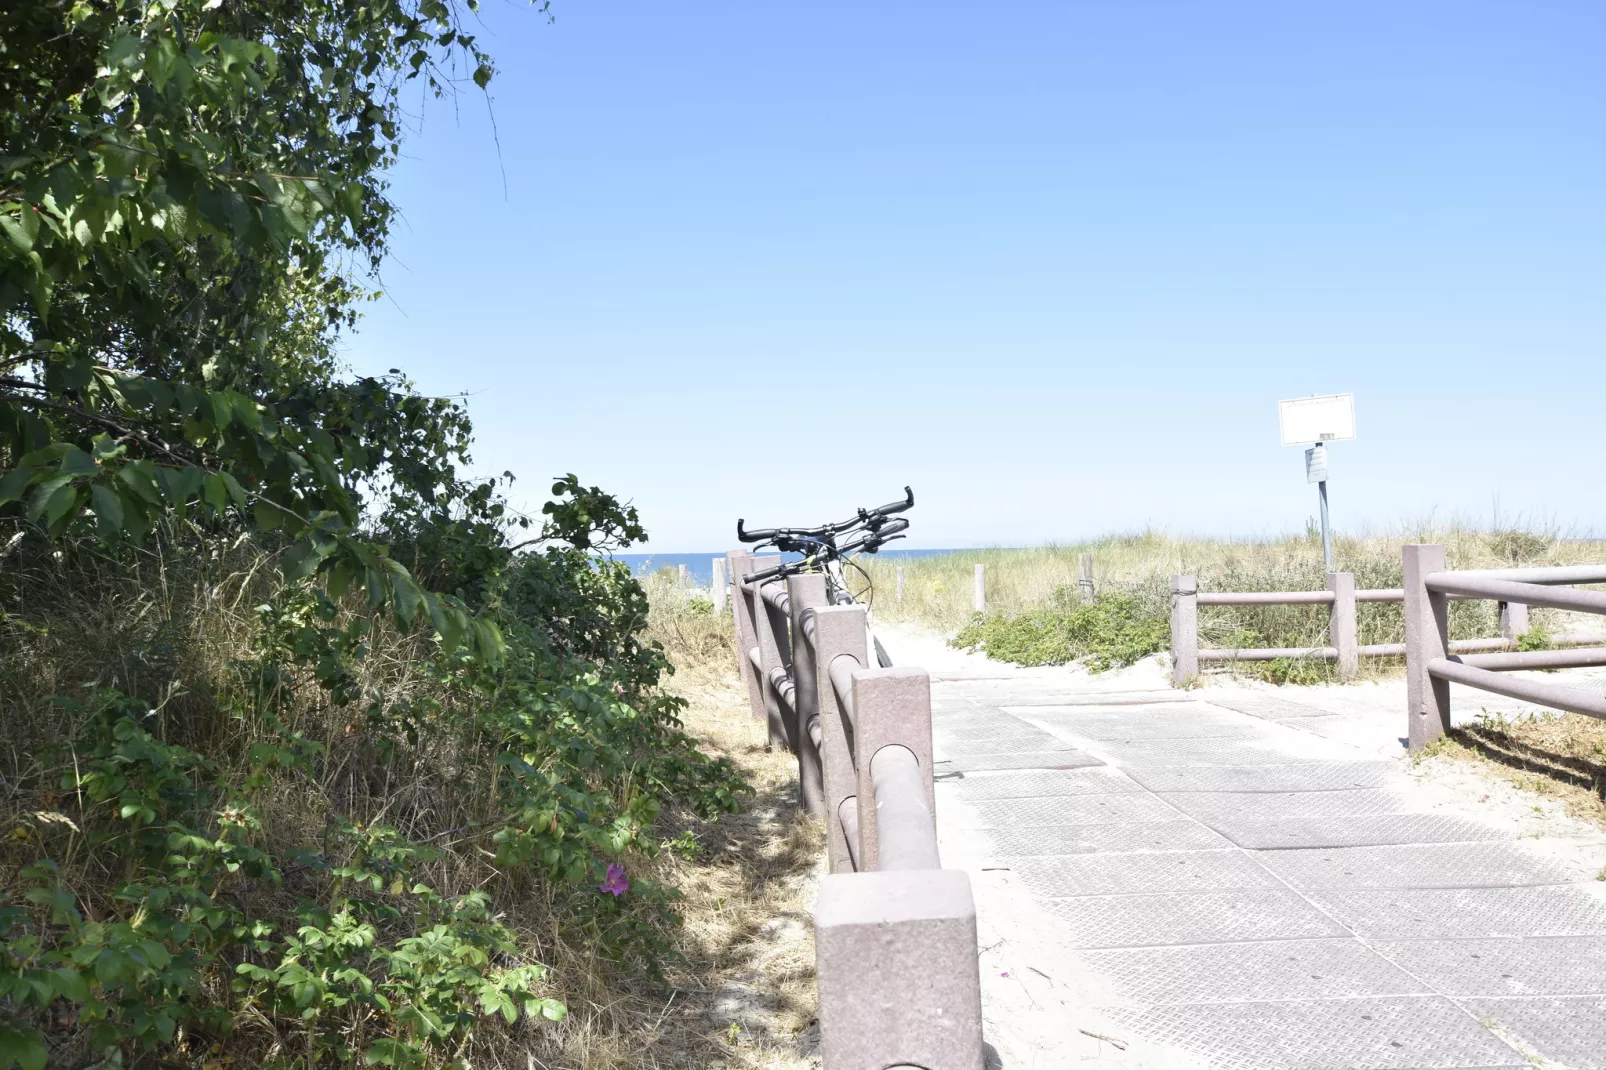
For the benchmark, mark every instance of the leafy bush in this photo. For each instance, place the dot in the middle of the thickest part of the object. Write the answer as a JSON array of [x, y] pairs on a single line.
[[1109, 632], [298, 739]]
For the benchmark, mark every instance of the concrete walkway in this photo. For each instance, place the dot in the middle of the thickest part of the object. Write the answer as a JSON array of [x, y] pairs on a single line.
[[1249, 877]]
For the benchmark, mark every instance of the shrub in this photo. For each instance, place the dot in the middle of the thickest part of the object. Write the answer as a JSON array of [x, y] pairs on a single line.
[[1108, 632]]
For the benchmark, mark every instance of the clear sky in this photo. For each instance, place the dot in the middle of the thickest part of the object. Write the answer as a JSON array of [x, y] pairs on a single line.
[[1052, 263]]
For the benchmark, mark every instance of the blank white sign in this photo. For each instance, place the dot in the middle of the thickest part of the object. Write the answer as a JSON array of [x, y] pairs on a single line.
[[1330, 418]]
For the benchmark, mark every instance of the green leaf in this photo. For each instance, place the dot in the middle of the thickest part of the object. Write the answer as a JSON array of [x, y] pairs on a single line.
[[24, 1047], [15, 482], [215, 492], [108, 511]]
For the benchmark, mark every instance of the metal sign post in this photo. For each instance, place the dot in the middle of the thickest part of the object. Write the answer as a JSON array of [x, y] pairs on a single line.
[[1318, 420]]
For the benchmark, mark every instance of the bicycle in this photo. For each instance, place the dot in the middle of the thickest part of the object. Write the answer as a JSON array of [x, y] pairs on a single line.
[[822, 552]]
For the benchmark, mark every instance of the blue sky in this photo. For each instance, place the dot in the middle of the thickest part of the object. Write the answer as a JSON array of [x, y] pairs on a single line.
[[1051, 263]]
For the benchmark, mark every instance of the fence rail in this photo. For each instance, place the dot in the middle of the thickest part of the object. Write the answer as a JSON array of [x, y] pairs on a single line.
[[1431, 664], [1515, 590], [895, 934]]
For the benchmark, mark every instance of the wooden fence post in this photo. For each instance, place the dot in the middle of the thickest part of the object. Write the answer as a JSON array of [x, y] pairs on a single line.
[[978, 599], [1427, 636], [900, 584], [717, 589], [1513, 620], [1341, 624], [1084, 579], [1184, 630]]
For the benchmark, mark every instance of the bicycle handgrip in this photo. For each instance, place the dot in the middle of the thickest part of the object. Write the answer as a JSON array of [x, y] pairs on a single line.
[[764, 574], [759, 535], [896, 507]]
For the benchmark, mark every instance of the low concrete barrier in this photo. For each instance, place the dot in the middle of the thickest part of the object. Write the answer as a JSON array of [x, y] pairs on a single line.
[[895, 934]]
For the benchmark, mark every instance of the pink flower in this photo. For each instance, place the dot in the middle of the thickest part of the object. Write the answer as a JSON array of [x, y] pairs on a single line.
[[616, 882]]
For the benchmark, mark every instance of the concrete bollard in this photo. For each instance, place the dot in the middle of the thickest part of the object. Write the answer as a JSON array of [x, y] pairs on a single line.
[[899, 983], [804, 593], [1084, 576], [899, 597], [1342, 626], [892, 707], [838, 631], [740, 563], [717, 587], [978, 599], [1184, 630], [1427, 636]]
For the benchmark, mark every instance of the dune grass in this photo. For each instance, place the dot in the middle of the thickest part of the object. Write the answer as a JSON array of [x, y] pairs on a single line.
[[1021, 583]]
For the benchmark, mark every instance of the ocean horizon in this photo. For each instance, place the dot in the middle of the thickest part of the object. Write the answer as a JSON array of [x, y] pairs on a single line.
[[700, 567]]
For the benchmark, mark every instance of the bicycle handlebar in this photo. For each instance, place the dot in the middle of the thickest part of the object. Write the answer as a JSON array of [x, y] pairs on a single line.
[[869, 545], [872, 518]]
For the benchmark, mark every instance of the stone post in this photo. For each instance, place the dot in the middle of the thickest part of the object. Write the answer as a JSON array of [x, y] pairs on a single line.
[[772, 642], [806, 592], [1427, 636], [891, 706], [896, 959], [1341, 624], [740, 563], [1184, 630], [838, 631]]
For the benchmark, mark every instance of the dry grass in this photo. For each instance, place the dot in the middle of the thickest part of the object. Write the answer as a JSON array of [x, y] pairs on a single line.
[[1560, 756]]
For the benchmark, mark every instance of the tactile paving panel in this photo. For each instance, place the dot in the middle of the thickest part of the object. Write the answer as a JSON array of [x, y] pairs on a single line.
[[974, 748], [1450, 913], [1047, 759], [1293, 776], [1211, 806], [1389, 1033], [1094, 780], [1547, 966], [1009, 844], [1462, 865], [1571, 1032], [1260, 834], [1189, 918], [1131, 874], [1231, 973], [1072, 810], [1271, 707]]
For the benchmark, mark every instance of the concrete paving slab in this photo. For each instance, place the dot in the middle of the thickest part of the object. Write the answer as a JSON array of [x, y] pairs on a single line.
[[1271, 707], [1271, 749], [1040, 742], [1065, 759], [1280, 777], [1571, 1032], [1550, 966], [1466, 913], [1460, 865], [1274, 835], [1012, 844], [1125, 874], [1094, 780], [1210, 806], [1130, 729], [1235, 973], [1175, 918], [944, 732], [1069, 810], [1383, 1034]]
